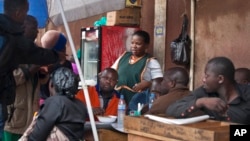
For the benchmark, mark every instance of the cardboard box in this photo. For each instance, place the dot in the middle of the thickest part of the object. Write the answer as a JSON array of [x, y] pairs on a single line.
[[126, 17], [133, 3]]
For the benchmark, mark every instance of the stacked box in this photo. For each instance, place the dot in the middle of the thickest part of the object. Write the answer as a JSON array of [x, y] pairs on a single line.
[[126, 17]]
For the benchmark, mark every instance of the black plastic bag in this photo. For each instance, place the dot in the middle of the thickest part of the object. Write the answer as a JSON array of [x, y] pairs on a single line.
[[180, 47]]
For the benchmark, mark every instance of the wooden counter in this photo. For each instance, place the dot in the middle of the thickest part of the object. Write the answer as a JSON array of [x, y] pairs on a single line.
[[111, 135], [105, 131], [143, 129]]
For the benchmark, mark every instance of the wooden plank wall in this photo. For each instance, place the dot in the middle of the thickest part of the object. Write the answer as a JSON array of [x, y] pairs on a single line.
[[221, 29]]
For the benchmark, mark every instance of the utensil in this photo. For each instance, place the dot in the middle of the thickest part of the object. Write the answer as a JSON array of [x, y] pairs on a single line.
[[139, 107]]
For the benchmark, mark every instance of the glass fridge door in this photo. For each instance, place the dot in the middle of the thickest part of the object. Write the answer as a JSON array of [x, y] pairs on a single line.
[[90, 54]]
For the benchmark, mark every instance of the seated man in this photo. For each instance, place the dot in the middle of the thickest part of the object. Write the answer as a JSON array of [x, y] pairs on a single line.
[[174, 87], [219, 97], [242, 75], [104, 99], [143, 96]]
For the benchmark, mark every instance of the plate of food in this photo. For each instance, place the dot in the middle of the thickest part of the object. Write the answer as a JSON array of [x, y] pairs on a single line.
[[107, 119]]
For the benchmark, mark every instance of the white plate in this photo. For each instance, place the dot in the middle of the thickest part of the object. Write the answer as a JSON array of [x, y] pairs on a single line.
[[178, 121], [107, 119]]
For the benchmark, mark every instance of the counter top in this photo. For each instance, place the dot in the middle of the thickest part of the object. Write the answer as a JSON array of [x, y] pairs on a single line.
[[207, 130]]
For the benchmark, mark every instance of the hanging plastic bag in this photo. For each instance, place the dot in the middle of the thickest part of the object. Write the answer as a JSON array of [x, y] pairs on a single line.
[[180, 47]]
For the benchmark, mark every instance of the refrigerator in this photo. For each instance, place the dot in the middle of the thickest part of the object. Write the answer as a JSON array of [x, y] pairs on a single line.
[[101, 46]]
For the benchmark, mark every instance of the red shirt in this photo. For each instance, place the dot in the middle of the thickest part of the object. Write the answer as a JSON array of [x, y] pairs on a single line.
[[94, 99]]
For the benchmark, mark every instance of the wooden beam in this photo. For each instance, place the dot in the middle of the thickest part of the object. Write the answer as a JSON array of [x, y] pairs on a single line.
[[160, 31], [191, 71]]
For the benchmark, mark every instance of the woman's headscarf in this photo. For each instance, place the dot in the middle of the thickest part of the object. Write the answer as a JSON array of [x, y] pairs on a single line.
[[65, 82]]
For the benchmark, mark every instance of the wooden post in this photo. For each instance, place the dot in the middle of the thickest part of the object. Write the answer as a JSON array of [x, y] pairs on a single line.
[[160, 31], [191, 71]]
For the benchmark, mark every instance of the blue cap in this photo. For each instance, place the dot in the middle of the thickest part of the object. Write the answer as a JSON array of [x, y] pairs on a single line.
[[61, 43]]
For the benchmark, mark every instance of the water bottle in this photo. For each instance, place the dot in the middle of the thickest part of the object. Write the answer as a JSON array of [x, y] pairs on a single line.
[[121, 111], [151, 100]]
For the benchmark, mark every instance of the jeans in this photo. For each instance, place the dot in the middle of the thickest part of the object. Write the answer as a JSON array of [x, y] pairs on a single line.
[[1, 122], [142, 97]]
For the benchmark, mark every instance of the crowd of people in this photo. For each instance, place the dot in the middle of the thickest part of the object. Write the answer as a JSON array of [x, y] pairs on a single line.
[[39, 86], [16, 49]]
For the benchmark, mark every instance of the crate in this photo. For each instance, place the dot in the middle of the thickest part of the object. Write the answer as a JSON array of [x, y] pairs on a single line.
[[105, 134], [141, 128], [110, 135], [124, 17]]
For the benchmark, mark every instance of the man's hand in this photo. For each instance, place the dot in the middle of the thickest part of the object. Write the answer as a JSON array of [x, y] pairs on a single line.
[[214, 104], [98, 111]]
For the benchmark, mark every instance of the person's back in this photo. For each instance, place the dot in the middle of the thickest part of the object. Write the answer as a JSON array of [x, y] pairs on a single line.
[[62, 109], [26, 101], [173, 87], [242, 75], [68, 114]]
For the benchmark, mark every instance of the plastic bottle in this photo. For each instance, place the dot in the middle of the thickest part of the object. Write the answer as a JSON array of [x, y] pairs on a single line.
[[151, 100], [121, 111]]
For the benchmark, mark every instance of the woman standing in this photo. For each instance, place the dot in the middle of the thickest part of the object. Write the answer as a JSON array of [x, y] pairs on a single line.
[[137, 69]]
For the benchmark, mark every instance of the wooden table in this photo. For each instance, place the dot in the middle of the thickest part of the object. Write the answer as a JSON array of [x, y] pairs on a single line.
[[111, 135], [143, 129], [105, 131]]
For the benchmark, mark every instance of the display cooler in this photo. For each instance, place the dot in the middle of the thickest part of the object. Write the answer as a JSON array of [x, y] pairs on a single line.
[[101, 46]]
